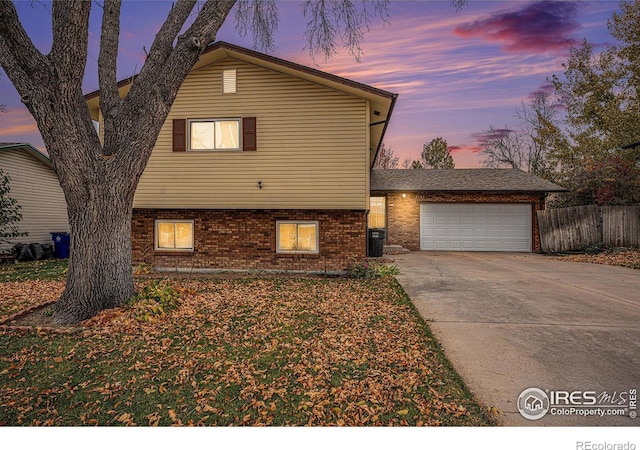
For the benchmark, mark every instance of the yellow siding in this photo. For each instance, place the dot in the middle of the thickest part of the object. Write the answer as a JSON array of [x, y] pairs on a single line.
[[312, 146], [35, 186]]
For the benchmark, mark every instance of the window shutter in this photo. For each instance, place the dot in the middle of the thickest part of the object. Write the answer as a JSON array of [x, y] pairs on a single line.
[[179, 135], [249, 141]]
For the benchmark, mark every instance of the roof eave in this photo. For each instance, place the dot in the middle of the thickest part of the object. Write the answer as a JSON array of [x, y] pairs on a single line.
[[274, 60], [29, 148], [502, 190]]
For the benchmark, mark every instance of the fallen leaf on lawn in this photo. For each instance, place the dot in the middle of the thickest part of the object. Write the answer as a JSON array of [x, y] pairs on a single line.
[[174, 417], [154, 419], [126, 419]]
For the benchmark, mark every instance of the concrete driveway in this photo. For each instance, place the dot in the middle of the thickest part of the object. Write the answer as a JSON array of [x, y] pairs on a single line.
[[512, 321]]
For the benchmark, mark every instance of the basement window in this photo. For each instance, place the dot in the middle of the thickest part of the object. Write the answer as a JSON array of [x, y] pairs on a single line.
[[297, 237], [174, 235]]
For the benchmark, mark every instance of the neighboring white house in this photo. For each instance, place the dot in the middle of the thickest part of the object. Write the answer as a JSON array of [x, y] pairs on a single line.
[[36, 188]]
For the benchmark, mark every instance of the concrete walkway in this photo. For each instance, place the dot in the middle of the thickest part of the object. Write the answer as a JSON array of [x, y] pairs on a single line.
[[511, 321]]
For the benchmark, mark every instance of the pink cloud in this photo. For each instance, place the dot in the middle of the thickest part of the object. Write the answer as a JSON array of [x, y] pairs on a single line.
[[544, 26], [486, 136], [464, 149], [17, 122], [543, 89]]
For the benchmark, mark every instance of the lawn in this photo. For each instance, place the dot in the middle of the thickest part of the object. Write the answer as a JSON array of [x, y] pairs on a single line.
[[240, 351]]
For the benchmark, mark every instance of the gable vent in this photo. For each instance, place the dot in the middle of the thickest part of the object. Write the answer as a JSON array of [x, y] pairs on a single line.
[[229, 81]]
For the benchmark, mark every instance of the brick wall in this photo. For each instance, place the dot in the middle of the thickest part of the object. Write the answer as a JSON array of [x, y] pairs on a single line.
[[246, 239], [403, 214]]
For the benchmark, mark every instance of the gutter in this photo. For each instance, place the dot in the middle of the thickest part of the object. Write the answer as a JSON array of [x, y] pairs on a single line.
[[384, 130]]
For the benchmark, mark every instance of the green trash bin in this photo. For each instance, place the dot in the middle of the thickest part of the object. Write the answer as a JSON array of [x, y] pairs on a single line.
[[376, 242]]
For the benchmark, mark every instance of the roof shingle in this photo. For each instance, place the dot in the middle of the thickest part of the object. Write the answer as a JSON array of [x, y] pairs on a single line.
[[459, 180]]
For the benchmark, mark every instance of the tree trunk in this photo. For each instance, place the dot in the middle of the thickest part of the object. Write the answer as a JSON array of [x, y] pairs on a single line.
[[100, 271]]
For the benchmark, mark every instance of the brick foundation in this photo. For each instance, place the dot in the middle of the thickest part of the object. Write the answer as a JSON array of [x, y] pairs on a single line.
[[246, 239], [403, 214]]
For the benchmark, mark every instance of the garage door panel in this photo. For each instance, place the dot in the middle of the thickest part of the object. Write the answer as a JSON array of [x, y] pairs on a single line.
[[467, 244], [467, 232], [475, 226]]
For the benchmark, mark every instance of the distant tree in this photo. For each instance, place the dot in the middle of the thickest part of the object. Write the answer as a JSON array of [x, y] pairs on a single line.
[[386, 158], [436, 155], [539, 124], [502, 148], [610, 181], [10, 214], [602, 97], [406, 163], [528, 147], [416, 164]]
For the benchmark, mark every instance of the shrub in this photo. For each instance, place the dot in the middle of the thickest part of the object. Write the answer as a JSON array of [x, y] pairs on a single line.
[[595, 248], [369, 268], [155, 300], [10, 214]]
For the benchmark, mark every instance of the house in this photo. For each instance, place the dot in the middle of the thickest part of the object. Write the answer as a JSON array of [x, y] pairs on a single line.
[[266, 164], [36, 188], [459, 209], [261, 164]]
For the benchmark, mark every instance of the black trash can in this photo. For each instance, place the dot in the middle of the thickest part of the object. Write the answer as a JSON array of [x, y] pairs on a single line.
[[376, 241], [61, 243]]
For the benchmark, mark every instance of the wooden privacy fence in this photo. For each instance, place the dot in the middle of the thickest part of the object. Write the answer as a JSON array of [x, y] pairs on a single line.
[[579, 227]]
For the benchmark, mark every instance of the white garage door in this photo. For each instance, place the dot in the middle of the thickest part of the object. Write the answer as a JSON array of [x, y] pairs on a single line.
[[493, 227]]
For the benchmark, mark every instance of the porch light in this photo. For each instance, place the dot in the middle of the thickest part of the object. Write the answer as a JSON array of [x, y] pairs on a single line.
[[404, 195]]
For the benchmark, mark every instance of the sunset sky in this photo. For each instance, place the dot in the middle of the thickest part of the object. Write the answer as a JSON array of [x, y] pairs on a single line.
[[456, 73]]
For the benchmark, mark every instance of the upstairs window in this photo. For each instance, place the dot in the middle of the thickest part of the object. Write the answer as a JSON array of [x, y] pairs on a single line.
[[214, 134]]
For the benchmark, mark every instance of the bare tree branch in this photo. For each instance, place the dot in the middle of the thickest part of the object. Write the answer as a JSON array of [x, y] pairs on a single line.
[[502, 148], [163, 43], [386, 158], [107, 62], [260, 17], [70, 24], [321, 33], [329, 19], [458, 4], [21, 61]]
